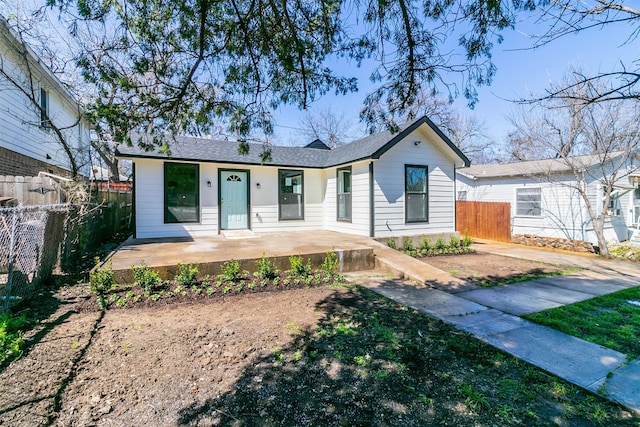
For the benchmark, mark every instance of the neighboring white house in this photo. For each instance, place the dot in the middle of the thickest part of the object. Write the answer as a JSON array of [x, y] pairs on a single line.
[[382, 185], [28, 144], [545, 202]]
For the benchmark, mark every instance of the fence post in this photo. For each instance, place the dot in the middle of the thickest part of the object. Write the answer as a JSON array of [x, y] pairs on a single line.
[[12, 259]]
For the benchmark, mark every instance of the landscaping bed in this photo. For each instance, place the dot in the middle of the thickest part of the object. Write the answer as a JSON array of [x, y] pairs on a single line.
[[488, 270], [317, 356], [149, 289]]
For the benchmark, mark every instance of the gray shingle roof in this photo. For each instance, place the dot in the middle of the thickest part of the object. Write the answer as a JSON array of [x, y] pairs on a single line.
[[533, 167], [207, 150]]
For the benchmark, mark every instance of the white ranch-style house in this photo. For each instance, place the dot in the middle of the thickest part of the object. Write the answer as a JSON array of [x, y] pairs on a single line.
[[544, 201], [31, 100], [383, 185]]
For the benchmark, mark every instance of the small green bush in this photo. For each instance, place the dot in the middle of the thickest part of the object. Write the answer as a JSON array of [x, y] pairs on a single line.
[[407, 244], [391, 242], [298, 267], [425, 245], [266, 269], [101, 279], [145, 278], [440, 244], [466, 239], [187, 274], [230, 270], [330, 264], [11, 340], [454, 242]]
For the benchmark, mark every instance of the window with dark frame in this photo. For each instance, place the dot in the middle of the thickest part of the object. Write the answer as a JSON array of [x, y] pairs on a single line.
[[45, 123], [416, 193], [344, 194], [290, 194], [529, 201], [181, 193], [462, 195]]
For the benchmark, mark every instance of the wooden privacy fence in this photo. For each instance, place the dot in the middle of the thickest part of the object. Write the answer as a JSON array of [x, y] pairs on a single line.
[[484, 220], [30, 190]]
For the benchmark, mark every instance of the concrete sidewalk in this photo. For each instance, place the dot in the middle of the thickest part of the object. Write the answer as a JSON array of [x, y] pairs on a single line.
[[491, 314], [584, 260]]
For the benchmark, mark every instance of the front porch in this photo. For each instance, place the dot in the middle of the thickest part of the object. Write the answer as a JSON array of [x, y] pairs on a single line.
[[355, 253]]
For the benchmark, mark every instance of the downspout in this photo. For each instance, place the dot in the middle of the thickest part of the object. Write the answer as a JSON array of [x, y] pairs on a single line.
[[133, 201], [455, 198], [372, 215]]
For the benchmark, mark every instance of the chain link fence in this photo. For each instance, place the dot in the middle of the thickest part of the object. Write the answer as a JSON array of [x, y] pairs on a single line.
[[34, 240], [30, 237]]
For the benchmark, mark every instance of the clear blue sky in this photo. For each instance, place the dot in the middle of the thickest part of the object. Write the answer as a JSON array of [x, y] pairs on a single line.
[[520, 71]]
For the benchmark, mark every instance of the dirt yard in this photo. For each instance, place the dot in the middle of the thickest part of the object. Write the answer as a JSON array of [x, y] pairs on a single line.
[[321, 356], [486, 270]]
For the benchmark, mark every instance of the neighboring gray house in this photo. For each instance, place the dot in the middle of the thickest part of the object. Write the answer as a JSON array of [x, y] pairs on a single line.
[[544, 201], [382, 185]]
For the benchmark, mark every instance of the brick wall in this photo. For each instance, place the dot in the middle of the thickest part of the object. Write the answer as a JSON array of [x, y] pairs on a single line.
[[16, 164]]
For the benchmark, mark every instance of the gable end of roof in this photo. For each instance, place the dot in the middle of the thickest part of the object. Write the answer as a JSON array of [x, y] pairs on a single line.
[[405, 132]]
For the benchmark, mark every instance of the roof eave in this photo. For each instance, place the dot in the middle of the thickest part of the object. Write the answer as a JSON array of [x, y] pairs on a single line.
[[223, 162]]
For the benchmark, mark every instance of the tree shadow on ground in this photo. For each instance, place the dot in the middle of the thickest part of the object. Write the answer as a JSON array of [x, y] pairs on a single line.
[[41, 306], [370, 361], [491, 280]]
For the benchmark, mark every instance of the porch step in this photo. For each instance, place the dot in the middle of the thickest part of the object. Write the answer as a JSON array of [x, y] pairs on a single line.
[[239, 234]]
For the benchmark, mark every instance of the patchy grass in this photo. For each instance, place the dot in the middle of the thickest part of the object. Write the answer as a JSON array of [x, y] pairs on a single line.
[[610, 320], [523, 277], [371, 361], [488, 270], [11, 340]]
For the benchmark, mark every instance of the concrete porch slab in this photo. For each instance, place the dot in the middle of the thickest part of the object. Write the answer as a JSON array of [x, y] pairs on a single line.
[[163, 255]]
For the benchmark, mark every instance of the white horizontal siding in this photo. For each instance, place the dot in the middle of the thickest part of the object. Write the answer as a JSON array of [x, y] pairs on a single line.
[[564, 213], [263, 201], [319, 196], [264, 205], [360, 218], [150, 202], [20, 119], [389, 189]]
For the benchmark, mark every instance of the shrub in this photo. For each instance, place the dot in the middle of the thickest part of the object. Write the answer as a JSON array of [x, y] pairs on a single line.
[[145, 277], [440, 244], [101, 279], [391, 242], [466, 240], [425, 245], [298, 267], [454, 242], [230, 270], [330, 264], [11, 340], [407, 244], [187, 274], [266, 269]]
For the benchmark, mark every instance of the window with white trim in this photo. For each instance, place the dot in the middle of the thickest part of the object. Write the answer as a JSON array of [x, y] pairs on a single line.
[[529, 201], [415, 192], [344, 194], [290, 194]]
